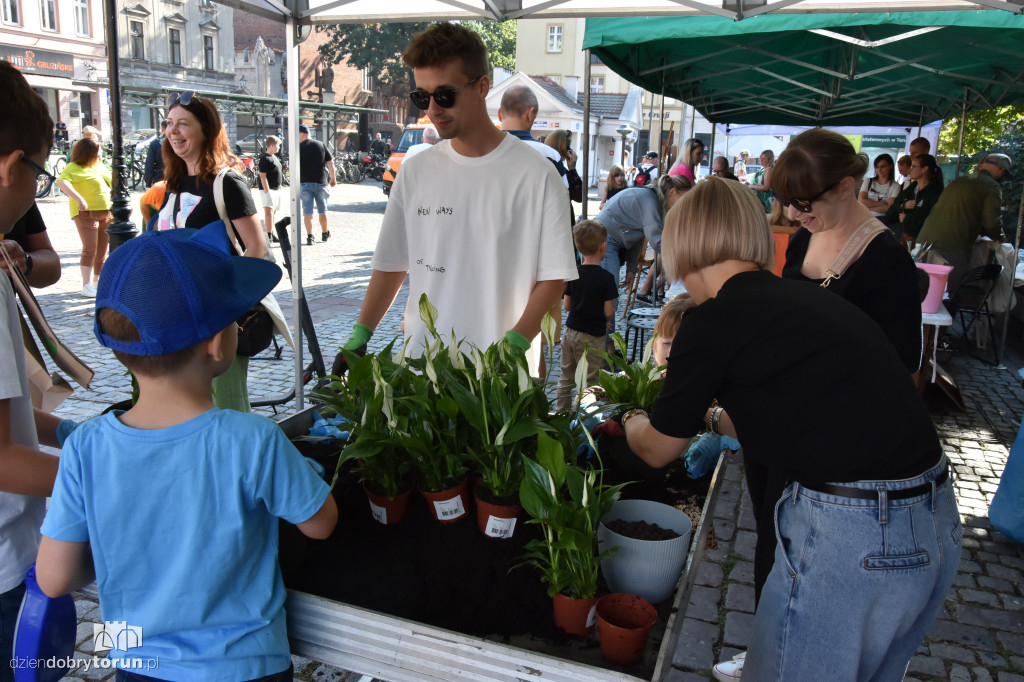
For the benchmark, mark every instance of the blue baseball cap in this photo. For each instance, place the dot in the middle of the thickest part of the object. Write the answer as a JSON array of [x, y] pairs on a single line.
[[180, 287], [304, 128]]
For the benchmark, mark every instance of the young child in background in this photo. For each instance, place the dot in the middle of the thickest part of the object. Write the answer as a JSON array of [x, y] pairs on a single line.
[[26, 474], [178, 501], [590, 301], [668, 324]]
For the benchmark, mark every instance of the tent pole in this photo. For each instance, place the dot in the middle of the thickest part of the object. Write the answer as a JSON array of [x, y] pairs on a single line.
[[586, 131], [920, 123], [960, 148], [711, 156], [650, 124], [1013, 274], [693, 120], [292, 128], [660, 146]]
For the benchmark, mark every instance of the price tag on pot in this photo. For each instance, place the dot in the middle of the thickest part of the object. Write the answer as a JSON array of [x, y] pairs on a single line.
[[592, 616], [500, 528], [449, 509], [380, 514]]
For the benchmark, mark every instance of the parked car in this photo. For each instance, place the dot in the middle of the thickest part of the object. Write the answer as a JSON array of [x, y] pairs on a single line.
[[140, 139], [251, 144], [413, 134]]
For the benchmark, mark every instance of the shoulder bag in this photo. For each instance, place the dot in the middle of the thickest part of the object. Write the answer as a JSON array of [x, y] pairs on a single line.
[[257, 326], [852, 250]]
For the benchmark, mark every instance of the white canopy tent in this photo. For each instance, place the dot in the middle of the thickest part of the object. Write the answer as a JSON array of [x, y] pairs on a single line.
[[300, 15]]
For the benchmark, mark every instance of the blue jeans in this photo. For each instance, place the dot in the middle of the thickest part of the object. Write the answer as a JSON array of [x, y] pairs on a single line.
[[10, 605], [128, 676], [615, 257], [313, 191], [856, 583]]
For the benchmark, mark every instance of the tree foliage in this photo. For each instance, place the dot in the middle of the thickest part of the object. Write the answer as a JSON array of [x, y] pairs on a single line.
[[375, 47], [378, 47], [500, 39], [983, 129]]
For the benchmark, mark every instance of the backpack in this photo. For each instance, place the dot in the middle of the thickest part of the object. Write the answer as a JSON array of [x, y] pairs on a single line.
[[643, 176]]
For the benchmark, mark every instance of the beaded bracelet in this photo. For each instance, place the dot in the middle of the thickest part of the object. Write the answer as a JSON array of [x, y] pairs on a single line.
[[631, 413], [714, 419]]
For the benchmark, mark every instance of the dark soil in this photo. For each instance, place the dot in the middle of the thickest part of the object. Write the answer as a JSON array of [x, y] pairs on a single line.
[[641, 530], [451, 575]]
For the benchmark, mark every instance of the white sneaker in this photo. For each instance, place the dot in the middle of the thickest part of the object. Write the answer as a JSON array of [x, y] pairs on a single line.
[[89, 290], [730, 671]]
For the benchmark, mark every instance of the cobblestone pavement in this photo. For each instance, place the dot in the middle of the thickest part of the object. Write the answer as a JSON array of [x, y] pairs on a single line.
[[980, 635]]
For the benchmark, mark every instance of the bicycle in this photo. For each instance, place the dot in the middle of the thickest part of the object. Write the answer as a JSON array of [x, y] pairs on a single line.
[[54, 164]]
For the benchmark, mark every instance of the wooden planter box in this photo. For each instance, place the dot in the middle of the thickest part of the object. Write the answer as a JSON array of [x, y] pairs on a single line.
[[399, 650]]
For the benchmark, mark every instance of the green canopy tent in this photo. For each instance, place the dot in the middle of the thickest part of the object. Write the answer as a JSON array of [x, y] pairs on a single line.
[[824, 69]]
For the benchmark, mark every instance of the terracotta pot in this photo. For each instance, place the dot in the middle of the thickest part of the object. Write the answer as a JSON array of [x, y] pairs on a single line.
[[388, 510], [496, 516], [624, 621], [448, 505], [575, 616]]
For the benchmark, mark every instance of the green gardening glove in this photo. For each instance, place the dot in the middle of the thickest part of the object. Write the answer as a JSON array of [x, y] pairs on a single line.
[[356, 343], [517, 341]]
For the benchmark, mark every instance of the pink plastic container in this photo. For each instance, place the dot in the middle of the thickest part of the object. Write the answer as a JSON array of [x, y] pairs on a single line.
[[937, 276]]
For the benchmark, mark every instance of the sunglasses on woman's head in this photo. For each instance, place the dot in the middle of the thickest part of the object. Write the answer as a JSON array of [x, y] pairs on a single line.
[[445, 97], [803, 205], [182, 98]]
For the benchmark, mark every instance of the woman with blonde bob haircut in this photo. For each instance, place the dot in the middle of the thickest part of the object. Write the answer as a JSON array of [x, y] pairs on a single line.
[[869, 532], [734, 228]]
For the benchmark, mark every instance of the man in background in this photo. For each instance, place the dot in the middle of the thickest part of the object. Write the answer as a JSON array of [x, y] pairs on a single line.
[[154, 171]]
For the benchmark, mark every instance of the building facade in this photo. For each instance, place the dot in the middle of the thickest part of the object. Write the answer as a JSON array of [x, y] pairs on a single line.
[[59, 47]]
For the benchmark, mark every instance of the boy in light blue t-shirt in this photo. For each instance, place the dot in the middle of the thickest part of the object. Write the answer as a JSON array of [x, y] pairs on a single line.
[[178, 501]]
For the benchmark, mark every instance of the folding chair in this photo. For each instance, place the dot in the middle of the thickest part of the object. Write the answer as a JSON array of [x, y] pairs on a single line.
[[970, 301], [643, 263]]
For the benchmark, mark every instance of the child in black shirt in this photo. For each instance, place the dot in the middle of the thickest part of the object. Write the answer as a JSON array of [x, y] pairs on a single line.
[[590, 301]]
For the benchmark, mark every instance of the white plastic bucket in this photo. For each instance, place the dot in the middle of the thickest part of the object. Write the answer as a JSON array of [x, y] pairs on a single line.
[[647, 568], [937, 276]]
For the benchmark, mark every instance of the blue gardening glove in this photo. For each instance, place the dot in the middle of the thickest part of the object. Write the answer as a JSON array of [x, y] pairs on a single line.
[[703, 454], [361, 334], [328, 428], [64, 429], [517, 341], [584, 449], [730, 443]]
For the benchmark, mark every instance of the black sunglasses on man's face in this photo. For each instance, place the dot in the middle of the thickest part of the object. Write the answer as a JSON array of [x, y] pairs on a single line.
[[445, 97]]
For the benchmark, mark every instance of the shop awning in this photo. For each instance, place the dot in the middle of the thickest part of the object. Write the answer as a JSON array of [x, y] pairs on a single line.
[[891, 68], [55, 83]]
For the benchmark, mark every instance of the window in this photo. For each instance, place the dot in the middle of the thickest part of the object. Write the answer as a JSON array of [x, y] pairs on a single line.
[[11, 12], [137, 39], [174, 36], [555, 38], [597, 83], [208, 53], [83, 25], [48, 14]]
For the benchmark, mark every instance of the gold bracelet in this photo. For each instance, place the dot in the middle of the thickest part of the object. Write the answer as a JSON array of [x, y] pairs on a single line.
[[631, 413]]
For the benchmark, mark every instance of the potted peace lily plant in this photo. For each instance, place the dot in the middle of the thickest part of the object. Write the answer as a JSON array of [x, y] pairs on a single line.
[[365, 397], [568, 503], [626, 386]]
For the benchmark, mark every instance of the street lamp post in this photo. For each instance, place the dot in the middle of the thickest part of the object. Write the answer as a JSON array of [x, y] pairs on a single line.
[[624, 132], [121, 229]]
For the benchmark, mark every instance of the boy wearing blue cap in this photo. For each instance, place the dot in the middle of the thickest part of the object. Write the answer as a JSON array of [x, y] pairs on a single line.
[[177, 500]]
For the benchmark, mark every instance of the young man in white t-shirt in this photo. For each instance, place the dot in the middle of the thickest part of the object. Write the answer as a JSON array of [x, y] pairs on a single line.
[[478, 221]]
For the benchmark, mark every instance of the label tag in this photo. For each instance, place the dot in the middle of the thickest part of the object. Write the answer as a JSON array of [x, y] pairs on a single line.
[[447, 510], [592, 616], [500, 528], [380, 514]]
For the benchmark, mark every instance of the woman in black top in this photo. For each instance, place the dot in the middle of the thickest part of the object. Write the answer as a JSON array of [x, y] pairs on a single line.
[[869, 533], [912, 206], [195, 150]]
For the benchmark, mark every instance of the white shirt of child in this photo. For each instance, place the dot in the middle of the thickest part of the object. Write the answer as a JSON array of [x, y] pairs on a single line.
[[20, 515]]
